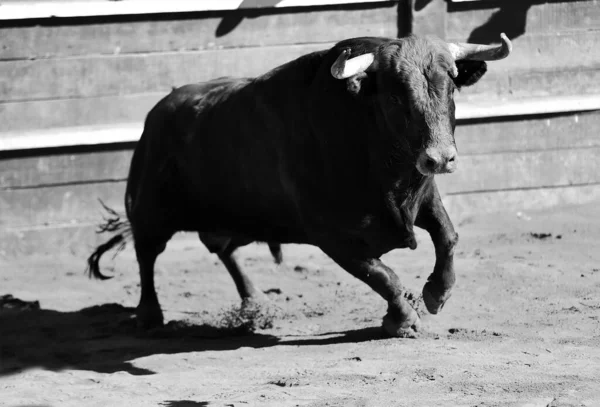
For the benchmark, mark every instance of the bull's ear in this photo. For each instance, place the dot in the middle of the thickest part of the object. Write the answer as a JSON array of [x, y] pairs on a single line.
[[469, 72], [359, 84]]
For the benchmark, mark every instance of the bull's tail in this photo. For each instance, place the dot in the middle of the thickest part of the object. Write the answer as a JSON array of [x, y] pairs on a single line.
[[112, 223]]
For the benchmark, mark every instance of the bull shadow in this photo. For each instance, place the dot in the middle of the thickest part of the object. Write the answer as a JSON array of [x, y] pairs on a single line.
[[232, 19], [105, 339], [510, 18]]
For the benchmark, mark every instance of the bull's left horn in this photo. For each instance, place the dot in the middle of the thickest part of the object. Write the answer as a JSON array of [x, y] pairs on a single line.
[[344, 68], [478, 52]]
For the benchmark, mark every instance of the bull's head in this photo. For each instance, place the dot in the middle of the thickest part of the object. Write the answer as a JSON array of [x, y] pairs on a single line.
[[413, 80]]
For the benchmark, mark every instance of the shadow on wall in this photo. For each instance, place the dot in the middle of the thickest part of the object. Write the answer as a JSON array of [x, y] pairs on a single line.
[[249, 9], [230, 22], [510, 18], [421, 4]]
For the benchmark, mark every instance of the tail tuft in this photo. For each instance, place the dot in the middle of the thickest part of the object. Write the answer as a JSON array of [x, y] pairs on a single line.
[[93, 269], [112, 223]]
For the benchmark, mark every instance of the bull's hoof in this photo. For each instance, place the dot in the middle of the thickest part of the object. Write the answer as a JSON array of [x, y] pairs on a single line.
[[404, 329], [434, 301], [149, 318]]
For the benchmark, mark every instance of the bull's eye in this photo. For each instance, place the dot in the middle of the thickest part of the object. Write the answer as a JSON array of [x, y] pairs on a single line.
[[395, 99]]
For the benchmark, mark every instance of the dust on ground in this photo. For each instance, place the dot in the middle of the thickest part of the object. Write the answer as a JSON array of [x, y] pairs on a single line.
[[521, 329]]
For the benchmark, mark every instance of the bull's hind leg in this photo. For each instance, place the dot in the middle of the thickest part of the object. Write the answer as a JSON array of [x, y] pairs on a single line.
[[224, 247], [434, 219], [148, 312]]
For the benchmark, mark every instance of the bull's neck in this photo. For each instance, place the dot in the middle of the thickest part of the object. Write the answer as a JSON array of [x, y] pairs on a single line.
[[403, 198]]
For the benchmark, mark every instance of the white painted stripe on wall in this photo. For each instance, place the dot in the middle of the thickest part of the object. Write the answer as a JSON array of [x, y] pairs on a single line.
[[14, 10], [71, 136], [525, 107], [130, 132]]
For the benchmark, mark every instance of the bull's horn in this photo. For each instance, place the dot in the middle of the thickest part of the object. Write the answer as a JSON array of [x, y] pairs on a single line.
[[477, 52], [344, 68]]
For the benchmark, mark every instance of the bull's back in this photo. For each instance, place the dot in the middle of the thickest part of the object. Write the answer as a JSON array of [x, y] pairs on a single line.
[[224, 152]]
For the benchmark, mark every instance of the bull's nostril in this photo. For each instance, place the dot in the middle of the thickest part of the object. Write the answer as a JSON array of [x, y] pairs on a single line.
[[430, 163]]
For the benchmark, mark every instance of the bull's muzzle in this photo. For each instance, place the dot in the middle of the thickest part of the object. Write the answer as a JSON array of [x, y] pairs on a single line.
[[437, 161]]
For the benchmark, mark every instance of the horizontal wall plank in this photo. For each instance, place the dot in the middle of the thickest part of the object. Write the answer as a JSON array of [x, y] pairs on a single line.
[[557, 82], [47, 170], [44, 114], [75, 239], [499, 84], [127, 74], [130, 132], [244, 28], [548, 17], [463, 206], [531, 134], [58, 204], [518, 170]]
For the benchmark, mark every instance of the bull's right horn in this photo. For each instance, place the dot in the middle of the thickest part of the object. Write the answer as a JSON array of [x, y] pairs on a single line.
[[478, 52], [344, 68]]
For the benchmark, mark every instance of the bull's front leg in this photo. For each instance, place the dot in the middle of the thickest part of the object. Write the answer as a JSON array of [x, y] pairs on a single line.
[[401, 319], [434, 219]]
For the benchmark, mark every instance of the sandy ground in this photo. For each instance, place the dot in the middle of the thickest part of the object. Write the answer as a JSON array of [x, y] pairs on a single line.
[[522, 327]]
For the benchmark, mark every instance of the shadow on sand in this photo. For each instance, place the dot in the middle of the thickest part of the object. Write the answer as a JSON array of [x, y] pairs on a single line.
[[105, 339]]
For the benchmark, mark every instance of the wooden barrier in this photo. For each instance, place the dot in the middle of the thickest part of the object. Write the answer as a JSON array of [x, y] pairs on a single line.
[[74, 93]]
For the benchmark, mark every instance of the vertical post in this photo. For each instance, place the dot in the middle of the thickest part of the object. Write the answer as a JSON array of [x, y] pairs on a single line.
[[405, 18]]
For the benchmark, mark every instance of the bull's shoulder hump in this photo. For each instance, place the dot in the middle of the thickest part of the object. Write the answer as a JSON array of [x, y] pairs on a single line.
[[190, 94], [202, 88]]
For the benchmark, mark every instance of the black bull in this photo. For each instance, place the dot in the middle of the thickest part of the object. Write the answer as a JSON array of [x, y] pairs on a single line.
[[336, 149]]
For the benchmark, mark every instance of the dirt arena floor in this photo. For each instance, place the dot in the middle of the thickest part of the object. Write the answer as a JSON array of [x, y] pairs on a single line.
[[521, 329]]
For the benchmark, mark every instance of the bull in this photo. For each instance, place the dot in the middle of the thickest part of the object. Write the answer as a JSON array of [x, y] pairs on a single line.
[[337, 149]]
